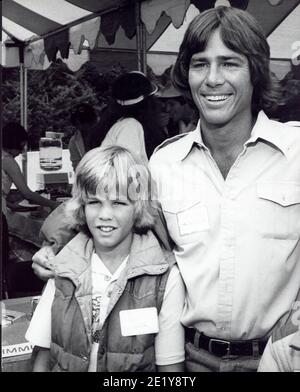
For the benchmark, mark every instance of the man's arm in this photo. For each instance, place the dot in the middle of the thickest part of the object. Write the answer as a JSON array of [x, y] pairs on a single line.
[[42, 265], [41, 360], [57, 230], [160, 229]]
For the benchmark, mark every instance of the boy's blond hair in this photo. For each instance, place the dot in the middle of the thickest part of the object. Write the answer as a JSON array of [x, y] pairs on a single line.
[[115, 173]]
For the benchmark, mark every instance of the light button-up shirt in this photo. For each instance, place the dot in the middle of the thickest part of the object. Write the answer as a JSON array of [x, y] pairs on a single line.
[[237, 239]]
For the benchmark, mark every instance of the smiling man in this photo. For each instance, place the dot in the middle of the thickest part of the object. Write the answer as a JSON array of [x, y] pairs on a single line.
[[230, 194]]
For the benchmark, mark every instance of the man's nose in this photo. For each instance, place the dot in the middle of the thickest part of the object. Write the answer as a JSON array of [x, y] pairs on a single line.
[[214, 76]]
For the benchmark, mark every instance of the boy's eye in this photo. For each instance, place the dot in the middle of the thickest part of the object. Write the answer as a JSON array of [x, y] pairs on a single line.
[[91, 202], [118, 202]]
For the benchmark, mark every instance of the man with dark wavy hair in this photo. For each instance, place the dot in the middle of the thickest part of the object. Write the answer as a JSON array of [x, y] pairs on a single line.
[[230, 195], [233, 211]]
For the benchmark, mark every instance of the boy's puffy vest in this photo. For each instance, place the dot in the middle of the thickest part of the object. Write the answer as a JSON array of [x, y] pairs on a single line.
[[143, 286]]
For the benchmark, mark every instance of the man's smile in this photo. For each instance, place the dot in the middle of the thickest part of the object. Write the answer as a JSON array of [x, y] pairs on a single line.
[[217, 98]]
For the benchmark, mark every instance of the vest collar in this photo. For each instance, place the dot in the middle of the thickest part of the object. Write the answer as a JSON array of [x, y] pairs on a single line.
[[146, 257]]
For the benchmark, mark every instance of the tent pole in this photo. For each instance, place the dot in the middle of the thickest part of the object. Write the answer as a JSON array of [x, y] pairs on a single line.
[[25, 98], [23, 103], [23, 95], [22, 92], [140, 40], [144, 53], [23, 87]]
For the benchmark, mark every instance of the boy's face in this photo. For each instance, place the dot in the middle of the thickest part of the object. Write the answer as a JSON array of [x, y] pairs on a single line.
[[110, 221]]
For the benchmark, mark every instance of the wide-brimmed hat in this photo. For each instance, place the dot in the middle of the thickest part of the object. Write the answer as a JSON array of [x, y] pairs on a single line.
[[132, 87], [168, 91]]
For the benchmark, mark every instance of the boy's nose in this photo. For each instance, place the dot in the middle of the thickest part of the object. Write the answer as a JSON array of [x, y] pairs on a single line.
[[105, 213]]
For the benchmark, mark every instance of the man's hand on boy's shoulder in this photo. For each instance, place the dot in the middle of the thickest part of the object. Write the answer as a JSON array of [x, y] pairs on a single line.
[[42, 265]]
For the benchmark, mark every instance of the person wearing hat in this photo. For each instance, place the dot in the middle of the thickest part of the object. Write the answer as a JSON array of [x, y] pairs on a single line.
[[84, 118], [137, 127], [178, 115]]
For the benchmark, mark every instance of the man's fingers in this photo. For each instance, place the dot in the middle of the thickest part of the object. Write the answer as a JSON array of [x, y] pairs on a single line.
[[42, 272], [42, 265]]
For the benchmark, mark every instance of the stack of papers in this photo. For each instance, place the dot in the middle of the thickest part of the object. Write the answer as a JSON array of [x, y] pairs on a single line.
[[8, 317]]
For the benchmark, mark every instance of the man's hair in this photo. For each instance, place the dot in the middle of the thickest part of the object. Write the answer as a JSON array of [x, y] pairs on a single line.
[[112, 172], [14, 136], [241, 33]]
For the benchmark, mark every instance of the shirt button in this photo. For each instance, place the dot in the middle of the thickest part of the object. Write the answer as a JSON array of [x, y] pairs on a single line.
[[109, 294], [107, 278]]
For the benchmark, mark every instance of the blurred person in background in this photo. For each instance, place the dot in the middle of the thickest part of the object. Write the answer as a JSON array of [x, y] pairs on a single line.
[[14, 140], [135, 119], [178, 116], [84, 118]]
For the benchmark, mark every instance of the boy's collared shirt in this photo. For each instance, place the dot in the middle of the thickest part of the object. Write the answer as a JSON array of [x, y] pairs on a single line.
[[237, 240]]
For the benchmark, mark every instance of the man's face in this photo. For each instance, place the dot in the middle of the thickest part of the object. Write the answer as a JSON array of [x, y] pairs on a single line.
[[220, 83]]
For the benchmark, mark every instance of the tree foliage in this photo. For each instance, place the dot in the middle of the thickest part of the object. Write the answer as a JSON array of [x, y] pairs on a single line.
[[51, 94]]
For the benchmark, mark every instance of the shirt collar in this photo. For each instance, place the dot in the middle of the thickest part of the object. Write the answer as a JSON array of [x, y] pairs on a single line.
[[270, 131], [264, 128], [99, 267], [192, 138]]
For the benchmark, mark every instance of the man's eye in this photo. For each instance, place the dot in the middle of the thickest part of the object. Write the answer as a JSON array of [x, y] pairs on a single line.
[[229, 64], [199, 65]]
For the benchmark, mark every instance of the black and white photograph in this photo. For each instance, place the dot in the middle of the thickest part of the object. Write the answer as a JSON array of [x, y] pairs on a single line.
[[150, 189]]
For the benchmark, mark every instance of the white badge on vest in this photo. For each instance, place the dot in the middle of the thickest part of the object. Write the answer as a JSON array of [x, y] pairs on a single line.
[[139, 321]]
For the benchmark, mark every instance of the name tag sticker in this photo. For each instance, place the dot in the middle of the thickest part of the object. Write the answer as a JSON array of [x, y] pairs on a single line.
[[193, 220], [139, 321]]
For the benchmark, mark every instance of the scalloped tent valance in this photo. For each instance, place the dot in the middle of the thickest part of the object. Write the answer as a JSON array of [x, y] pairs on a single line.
[[48, 29]]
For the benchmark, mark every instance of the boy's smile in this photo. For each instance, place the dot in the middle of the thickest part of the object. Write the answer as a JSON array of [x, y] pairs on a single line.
[[107, 229]]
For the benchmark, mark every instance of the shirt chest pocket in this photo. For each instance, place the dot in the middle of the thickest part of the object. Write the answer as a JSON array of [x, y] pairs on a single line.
[[279, 209], [186, 222]]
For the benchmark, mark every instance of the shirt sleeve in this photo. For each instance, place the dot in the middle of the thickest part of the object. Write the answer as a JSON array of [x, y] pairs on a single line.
[[127, 133], [39, 330], [268, 362], [58, 228], [169, 342]]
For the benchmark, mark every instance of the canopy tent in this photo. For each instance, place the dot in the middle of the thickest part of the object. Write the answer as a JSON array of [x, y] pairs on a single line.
[[36, 32], [284, 43], [48, 27]]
